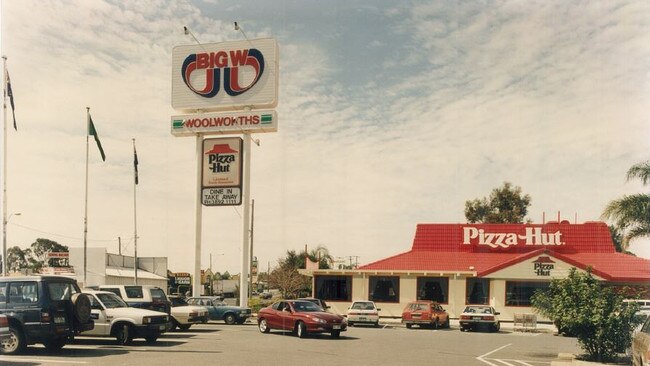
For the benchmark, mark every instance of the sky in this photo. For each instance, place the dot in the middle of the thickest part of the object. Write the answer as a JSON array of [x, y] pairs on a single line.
[[390, 114]]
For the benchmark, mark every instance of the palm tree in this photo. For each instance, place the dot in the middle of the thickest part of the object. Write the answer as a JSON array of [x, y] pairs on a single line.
[[631, 213], [321, 255]]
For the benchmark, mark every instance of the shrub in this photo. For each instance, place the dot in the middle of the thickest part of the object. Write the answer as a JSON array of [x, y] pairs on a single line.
[[580, 305]]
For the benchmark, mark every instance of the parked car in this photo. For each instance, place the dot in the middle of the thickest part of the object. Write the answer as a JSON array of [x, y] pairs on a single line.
[[641, 345], [219, 310], [300, 317], [184, 315], [425, 313], [141, 296], [479, 316], [363, 312], [42, 309], [4, 329], [114, 318], [318, 302], [266, 295]]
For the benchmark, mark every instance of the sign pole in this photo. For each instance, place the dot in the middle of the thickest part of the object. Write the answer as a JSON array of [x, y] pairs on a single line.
[[196, 285], [4, 171], [246, 200]]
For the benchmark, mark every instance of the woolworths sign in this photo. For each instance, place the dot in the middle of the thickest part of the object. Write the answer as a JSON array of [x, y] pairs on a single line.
[[225, 123]]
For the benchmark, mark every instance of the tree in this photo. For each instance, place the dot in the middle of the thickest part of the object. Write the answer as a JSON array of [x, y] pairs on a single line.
[[290, 283], [321, 255], [505, 205], [596, 314], [631, 213], [17, 259], [42, 247]]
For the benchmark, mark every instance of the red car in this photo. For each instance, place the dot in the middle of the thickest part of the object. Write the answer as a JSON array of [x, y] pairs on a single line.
[[425, 314], [301, 317]]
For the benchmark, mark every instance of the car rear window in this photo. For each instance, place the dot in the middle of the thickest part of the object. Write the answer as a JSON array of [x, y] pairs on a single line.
[[363, 306], [61, 290], [418, 306], [158, 294], [134, 292]]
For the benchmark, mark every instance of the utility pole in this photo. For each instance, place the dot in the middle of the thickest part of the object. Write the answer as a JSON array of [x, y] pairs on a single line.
[[250, 287], [211, 276], [119, 245]]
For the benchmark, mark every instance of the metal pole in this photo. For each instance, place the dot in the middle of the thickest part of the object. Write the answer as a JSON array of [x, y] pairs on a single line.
[[196, 285], [86, 198], [4, 169], [252, 236], [243, 280], [211, 275], [135, 225]]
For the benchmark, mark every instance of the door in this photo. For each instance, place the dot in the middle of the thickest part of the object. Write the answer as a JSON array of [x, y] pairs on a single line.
[[286, 317], [98, 315]]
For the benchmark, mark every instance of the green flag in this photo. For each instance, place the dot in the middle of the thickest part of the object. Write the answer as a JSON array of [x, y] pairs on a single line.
[[92, 131]]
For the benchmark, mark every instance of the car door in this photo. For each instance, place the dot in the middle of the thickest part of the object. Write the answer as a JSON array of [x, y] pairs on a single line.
[[286, 317], [98, 315], [274, 318], [440, 313]]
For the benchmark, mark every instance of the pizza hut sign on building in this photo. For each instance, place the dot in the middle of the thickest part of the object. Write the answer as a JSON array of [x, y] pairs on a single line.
[[222, 171], [225, 76]]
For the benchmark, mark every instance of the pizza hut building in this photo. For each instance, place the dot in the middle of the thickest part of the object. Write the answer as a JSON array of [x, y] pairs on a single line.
[[497, 264]]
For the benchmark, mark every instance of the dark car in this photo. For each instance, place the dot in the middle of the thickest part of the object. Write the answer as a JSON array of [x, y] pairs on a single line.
[[301, 317], [219, 310], [42, 309], [425, 314]]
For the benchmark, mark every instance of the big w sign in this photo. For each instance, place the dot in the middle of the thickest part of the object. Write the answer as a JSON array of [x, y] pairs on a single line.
[[225, 76]]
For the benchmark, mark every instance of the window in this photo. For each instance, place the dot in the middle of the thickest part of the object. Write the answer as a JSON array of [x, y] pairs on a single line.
[[23, 292], [116, 291], [519, 293], [477, 291], [384, 288], [134, 292], [434, 289], [333, 288], [3, 292], [158, 295], [61, 290]]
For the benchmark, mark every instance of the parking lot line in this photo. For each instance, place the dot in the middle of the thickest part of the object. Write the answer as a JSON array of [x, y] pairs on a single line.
[[39, 360], [482, 357]]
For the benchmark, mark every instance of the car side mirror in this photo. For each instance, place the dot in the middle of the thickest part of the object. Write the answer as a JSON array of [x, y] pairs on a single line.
[[497, 313], [327, 307], [378, 309]]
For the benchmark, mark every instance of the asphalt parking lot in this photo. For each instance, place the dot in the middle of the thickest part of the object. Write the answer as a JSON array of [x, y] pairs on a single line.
[[220, 344]]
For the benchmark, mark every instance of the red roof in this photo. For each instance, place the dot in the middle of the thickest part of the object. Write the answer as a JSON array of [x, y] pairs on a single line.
[[487, 248]]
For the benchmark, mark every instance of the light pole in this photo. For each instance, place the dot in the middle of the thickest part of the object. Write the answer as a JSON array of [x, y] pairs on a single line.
[[4, 242]]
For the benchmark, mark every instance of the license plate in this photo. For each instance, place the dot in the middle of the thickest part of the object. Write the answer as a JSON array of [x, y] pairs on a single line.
[[59, 320], [363, 318], [161, 327], [336, 327], [476, 317]]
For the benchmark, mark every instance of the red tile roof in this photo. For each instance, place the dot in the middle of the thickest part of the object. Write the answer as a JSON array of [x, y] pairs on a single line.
[[441, 248]]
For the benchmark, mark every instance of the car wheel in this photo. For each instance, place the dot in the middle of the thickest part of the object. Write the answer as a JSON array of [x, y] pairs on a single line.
[[462, 329], [301, 330], [376, 324], [435, 324], [408, 326], [351, 324], [336, 333], [230, 319], [151, 338], [15, 343], [81, 304], [184, 326], [446, 325], [263, 325], [54, 345], [123, 334]]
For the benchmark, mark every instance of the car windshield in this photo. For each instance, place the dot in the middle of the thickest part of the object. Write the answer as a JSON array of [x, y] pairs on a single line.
[[363, 306], [61, 290], [306, 307], [478, 310], [177, 301], [111, 301]]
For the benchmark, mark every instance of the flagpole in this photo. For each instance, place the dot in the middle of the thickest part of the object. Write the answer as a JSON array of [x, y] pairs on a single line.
[[135, 220], [86, 197], [4, 170]]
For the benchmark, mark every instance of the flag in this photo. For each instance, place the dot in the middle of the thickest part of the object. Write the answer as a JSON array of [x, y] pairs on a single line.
[[135, 163], [10, 94], [92, 131]]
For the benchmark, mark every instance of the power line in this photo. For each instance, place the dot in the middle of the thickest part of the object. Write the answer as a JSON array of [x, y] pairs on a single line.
[[59, 235]]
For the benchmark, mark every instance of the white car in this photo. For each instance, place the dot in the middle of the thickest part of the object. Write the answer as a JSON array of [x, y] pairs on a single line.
[[184, 315], [363, 312], [114, 318]]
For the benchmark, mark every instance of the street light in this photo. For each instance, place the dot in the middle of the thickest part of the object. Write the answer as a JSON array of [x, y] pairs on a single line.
[[4, 242]]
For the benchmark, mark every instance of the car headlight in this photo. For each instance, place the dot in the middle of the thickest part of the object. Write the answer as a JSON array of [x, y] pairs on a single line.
[[146, 320], [317, 319]]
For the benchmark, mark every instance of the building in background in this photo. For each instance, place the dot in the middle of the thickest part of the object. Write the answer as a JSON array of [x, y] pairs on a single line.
[[497, 264], [103, 268]]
